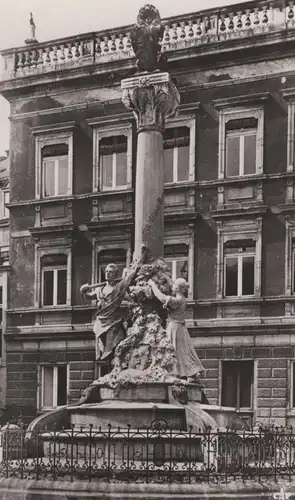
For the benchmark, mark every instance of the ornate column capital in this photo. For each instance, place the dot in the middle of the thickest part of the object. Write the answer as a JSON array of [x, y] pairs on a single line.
[[152, 97]]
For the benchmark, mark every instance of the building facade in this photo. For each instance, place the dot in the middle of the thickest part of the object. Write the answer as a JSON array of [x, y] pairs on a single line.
[[4, 274], [229, 203]]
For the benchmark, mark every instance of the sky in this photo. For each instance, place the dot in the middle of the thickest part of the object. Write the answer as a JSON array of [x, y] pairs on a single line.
[[60, 18]]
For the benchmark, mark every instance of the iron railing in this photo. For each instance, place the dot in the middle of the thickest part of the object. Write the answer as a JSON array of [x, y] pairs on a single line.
[[155, 454]]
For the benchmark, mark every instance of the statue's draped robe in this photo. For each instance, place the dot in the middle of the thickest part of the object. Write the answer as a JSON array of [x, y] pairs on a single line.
[[188, 363], [108, 327]]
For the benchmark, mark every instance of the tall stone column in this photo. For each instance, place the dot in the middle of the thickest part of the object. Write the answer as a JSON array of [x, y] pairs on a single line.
[[152, 97]]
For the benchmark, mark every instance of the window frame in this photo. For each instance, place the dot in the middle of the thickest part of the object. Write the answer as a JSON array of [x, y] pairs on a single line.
[[290, 257], [55, 270], [233, 231], [54, 388], [4, 211], [101, 132], [240, 133], [56, 177], [41, 252], [239, 256], [253, 392], [109, 243], [49, 136], [228, 114], [188, 121], [183, 236]]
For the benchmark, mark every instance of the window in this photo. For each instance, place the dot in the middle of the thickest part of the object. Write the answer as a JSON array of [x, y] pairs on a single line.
[[54, 159], [54, 385], [240, 151], [105, 257], [54, 280], [237, 384], [4, 238], [176, 258], [55, 167], [4, 199], [240, 143], [239, 268], [113, 162], [176, 154]]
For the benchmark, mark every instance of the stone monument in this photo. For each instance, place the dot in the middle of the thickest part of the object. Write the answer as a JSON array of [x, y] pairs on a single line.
[[154, 365]]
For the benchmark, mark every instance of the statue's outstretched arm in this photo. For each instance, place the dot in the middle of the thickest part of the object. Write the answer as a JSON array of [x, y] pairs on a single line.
[[161, 296], [84, 290]]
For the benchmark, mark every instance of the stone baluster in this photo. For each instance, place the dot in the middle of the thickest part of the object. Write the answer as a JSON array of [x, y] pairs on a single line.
[[199, 27], [231, 25], [239, 20], [54, 55], [105, 48], [77, 50], [113, 44], [248, 19], [190, 31], [70, 53], [34, 58], [265, 15], [174, 34], [20, 59], [98, 47], [121, 42], [47, 55], [256, 20], [40, 57], [62, 56], [291, 12], [182, 33], [27, 62], [222, 26], [207, 24], [166, 37], [128, 42]]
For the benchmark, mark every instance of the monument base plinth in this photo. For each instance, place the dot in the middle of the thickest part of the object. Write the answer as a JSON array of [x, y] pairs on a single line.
[[162, 392], [125, 413]]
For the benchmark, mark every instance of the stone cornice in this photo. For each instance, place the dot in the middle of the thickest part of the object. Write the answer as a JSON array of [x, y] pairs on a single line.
[[289, 94], [243, 100], [56, 127], [66, 229], [255, 210]]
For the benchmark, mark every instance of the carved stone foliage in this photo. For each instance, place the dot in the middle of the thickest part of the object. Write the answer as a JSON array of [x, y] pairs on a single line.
[[152, 98], [145, 38], [145, 355]]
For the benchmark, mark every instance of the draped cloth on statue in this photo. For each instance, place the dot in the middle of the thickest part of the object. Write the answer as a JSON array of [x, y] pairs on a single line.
[[108, 327], [188, 363]]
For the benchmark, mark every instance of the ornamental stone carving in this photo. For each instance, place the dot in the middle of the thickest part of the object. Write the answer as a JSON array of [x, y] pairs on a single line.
[[145, 38], [152, 98]]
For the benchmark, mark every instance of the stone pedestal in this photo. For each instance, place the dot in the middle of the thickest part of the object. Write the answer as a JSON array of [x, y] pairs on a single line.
[[152, 97]]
